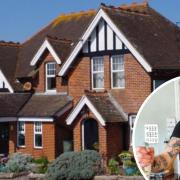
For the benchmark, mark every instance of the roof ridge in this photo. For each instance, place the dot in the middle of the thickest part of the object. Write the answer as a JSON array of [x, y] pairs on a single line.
[[70, 15], [9, 43], [138, 8], [51, 23]]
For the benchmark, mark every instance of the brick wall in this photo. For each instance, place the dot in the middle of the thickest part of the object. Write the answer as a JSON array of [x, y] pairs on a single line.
[[41, 82], [137, 82], [110, 136], [137, 86], [48, 140]]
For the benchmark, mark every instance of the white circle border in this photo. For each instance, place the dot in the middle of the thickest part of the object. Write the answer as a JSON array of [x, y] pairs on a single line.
[[137, 117]]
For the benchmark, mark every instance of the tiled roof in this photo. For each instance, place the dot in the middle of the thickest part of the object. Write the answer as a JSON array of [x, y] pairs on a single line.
[[11, 104], [106, 106], [8, 61], [70, 27], [44, 105], [153, 36]]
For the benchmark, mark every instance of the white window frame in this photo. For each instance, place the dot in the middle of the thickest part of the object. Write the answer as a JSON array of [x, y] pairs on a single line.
[[49, 76], [116, 71], [131, 125], [96, 72], [36, 133], [21, 132]]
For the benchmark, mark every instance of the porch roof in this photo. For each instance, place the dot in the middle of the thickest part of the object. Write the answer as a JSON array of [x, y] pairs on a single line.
[[102, 105], [107, 107], [41, 105], [11, 104]]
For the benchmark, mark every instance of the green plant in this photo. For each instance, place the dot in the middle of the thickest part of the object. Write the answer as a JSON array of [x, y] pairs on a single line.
[[125, 155], [113, 166], [129, 163], [75, 165], [43, 162], [18, 162]]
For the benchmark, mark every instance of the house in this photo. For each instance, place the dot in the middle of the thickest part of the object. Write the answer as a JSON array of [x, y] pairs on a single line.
[[80, 81]]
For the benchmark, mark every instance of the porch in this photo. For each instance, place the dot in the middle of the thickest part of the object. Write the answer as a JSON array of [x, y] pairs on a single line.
[[99, 125]]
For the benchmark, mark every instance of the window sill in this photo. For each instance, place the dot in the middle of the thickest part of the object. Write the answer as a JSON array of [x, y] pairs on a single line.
[[38, 148], [50, 92], [98, 89], [21, 147], [116, 88]]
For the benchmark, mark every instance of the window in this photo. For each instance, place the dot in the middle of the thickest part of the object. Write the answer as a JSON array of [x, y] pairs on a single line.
[[157, 83], [131, 124], [97, 73], [50, 76], [37, 134], [117, 71], [21, 134]]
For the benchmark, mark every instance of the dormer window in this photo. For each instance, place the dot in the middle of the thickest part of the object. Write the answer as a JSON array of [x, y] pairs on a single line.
[[117, 72], [51, 77]]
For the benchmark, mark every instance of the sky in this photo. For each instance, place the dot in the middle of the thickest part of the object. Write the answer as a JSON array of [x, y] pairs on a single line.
[[20, 19]]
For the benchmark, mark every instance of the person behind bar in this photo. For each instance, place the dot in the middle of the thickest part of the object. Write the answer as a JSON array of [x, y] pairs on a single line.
[[164, 161]]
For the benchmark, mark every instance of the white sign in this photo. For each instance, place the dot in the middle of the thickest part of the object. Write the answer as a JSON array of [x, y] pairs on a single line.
[[151, 133]]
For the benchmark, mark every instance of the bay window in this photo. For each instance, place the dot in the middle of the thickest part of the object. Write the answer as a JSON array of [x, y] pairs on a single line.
[[97, 73], [21, 134], [38, 134], [117, 71], [51, 76]]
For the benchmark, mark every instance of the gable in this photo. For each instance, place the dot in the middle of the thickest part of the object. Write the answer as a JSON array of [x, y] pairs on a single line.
[[84, 101], [45, 46], [4, 84], [103, 38], [89, 32]]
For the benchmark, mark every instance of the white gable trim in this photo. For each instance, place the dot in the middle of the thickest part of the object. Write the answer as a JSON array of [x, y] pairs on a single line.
[[79, 46], [79, 106], [7, 84], [34, 119], [44, 46]]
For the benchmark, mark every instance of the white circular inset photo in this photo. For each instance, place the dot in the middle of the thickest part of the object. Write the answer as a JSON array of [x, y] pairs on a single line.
[[156, 136]]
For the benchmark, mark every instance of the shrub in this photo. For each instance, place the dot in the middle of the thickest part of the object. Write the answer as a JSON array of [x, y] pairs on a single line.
[[75, 165], [113, 166], [43, 162], [18, 162]]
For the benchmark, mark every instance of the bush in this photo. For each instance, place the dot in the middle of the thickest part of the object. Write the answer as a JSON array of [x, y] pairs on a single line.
[[18, 162], [43, 162], [75, 165], [113, 166]]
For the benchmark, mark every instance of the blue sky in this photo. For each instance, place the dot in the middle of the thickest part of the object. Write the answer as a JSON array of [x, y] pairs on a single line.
[[20, 19]]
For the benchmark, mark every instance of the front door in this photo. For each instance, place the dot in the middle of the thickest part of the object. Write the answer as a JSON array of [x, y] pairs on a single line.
[[4, 138], [91, 135]]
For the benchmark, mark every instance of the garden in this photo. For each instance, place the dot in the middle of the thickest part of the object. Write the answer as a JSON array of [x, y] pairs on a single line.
[[86, 164]]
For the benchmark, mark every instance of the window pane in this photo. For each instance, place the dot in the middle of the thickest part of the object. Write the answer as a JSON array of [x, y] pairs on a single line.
[[51, 83], [38, 140], [118, 79], [38, 127], [98, 64], [98, 80], [21, 126], [21, 139], [51, 69], [118, 62]]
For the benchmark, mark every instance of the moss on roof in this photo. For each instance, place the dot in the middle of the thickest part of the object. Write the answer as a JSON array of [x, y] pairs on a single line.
[[73, 16]]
